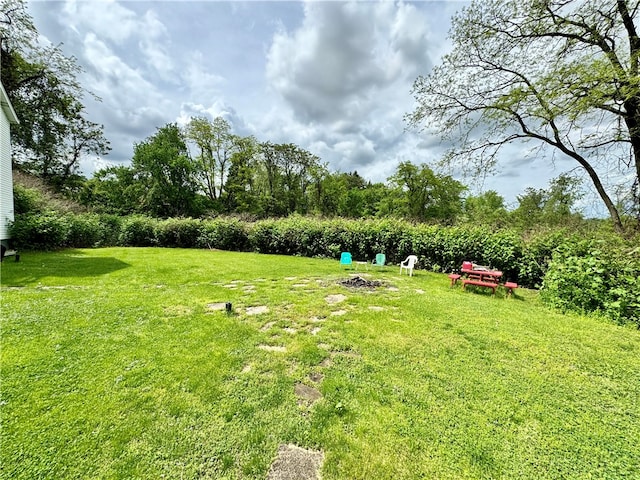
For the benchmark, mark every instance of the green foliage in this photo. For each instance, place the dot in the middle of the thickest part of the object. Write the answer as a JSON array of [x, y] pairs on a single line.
[[27, 200], [51, 230], [583, 275], [41, 82], [110, 226], [138, 231], [162, 165], [113, 190], [595, 276], [224, 234], [178, 232], [486, 209], [40, 231], [84, 231], [421, 194], [540, 71]]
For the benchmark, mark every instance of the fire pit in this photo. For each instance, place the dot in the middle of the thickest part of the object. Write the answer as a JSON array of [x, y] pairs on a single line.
[[359, 282]]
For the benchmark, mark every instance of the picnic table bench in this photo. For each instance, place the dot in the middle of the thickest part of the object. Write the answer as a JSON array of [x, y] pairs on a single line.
[[480, 283], [483, 277]]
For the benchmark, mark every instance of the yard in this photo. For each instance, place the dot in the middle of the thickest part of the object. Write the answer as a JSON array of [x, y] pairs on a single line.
[[124, 363]]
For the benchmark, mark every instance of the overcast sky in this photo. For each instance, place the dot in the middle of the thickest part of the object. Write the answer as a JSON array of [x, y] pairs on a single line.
[[332, 77]]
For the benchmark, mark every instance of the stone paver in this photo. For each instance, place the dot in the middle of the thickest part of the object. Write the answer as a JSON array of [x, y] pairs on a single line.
[[333, 299], [295, 463], [257, 310]]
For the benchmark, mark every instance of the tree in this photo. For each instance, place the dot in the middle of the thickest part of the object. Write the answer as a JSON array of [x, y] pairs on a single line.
[[239, 191], [529, 212], [283, 175], [563, 194], [551, 206], [114, 190], [486, 208], [420, 194], [162, 165], [41, 82], [561, 73], [216, 145]]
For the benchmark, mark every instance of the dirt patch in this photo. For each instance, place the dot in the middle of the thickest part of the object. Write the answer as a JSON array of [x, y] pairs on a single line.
[[290, 330], [316, 377], [327, 362], [306, 394], [359, 282], [376, 309], [315, 331], [333, 299], [338, 313], [295, 463]]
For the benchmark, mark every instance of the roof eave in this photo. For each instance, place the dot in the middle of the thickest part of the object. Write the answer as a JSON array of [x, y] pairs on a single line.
[[7, 107]]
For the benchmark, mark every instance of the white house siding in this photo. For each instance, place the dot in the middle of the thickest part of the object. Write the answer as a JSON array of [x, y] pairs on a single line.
[[6, 178]]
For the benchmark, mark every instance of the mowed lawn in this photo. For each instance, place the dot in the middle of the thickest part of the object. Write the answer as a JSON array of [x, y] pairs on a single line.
[[117, 363]]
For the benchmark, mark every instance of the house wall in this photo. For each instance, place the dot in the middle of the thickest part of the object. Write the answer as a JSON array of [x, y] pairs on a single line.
[[6, 177]]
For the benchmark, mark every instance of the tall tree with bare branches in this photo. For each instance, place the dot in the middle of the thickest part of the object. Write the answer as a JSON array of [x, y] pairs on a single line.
[[561, 73]]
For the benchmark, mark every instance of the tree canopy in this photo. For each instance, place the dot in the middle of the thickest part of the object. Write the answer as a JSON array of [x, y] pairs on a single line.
[[41, 82], [560, 73]]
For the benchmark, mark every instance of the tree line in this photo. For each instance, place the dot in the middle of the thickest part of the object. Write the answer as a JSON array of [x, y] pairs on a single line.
[[206, 169], [499, 84]]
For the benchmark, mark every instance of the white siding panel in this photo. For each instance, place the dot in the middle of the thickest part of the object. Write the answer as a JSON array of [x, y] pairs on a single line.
[[6, 178]]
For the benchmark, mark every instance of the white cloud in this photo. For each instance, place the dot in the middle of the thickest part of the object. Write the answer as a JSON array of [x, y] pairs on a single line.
[[200, 84], [108, 19], [152, 44], [346, 72]]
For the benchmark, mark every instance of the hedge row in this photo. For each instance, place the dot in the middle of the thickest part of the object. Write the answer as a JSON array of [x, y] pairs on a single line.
[[442, 249], [438, 248]]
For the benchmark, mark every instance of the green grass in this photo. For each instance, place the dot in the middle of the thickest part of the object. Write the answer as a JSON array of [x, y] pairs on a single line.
[[113, 366]]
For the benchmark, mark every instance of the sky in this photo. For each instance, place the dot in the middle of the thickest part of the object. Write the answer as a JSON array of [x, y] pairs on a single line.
[[332, 77]]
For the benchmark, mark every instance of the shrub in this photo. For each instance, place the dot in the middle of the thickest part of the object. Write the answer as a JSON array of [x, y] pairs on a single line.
[[594, 276], [27, 200], [178, 232], [85, 231], [224, 234], [40, 231], [138, 231], [111, 226]]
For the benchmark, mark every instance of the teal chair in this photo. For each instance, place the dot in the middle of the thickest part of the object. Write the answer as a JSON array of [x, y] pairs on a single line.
[[379, 261], [345, 259]]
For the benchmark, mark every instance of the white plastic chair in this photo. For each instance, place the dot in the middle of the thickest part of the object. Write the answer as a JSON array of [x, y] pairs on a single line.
[[408, 264]]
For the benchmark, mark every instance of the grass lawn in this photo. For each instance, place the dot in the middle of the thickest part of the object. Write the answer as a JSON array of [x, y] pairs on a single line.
[[116, 364]]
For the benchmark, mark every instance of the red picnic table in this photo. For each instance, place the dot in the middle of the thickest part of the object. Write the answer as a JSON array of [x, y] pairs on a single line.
[[481, 276]]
